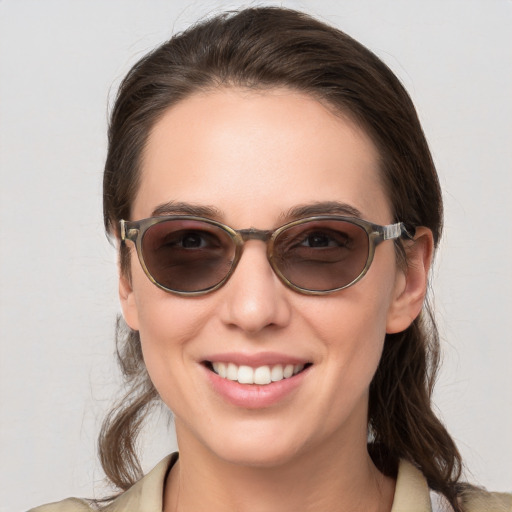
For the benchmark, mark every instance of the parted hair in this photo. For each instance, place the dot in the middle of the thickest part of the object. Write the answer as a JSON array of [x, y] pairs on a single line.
[[262, 48]]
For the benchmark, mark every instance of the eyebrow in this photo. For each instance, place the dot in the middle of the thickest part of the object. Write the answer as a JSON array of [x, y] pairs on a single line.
[[296, 212], [180, 208], [321, 208]]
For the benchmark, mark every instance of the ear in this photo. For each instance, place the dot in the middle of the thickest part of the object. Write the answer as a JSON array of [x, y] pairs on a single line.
[[128, 303], [411, 285]]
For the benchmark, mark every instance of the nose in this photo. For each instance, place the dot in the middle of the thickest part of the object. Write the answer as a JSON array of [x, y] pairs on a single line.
[[254, 298]]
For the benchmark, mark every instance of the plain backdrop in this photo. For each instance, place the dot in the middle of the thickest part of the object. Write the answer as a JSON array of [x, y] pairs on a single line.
[[60, 64]]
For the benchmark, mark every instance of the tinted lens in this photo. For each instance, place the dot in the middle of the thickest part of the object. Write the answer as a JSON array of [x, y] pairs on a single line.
[[321, 255], [187, 255]]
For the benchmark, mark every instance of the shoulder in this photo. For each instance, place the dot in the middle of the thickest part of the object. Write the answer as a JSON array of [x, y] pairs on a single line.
[[478, 500], [412, 494], [69, 505], [144, 496]]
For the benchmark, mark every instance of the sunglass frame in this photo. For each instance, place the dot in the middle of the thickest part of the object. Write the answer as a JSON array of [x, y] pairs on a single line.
[[135, 230]]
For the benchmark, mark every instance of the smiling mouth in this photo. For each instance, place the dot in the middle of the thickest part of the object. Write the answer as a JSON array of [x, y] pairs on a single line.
[[262, 375]]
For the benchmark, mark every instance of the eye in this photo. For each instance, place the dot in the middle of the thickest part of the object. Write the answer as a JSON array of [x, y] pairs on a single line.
[[327, 238], [324, 239], [190, 240]]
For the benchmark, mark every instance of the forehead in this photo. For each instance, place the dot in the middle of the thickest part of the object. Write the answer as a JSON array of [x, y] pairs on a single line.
[[252, 155]]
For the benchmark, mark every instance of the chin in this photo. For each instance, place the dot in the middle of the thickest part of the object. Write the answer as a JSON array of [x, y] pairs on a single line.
[[257, 456], [259, 446]]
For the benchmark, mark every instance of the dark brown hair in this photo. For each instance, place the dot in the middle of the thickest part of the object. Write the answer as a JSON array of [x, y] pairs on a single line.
[[274, 47]]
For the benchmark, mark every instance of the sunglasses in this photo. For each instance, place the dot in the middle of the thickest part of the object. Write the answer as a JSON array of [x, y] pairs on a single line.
[[189, 255]]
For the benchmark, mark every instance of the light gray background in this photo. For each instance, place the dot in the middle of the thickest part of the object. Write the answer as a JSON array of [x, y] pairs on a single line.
[[58, 300]]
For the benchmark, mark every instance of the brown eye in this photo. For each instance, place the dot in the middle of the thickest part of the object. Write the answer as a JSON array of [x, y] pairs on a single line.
[[192, 240], [325, 239]]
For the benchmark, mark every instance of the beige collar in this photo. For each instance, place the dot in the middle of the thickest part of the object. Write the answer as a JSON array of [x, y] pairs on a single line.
[[411, 493], [147, 494]]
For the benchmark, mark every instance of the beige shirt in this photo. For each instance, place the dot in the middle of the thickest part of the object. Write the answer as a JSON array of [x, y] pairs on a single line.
[[411, 495]]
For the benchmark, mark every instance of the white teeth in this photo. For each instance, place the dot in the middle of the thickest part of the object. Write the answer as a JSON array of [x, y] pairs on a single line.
[[232, 372], [221, 369], [277, 373], [288, 371], [261, 375], [245, 375]]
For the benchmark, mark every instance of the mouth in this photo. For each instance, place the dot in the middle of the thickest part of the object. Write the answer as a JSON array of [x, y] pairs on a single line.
[[261, 375]]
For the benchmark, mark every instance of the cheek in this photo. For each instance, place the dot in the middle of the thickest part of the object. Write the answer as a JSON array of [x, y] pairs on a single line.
[[166, 324], [353, 325], [167, 333], [353, 333], [358, 314], [162, 316], [359, 359]]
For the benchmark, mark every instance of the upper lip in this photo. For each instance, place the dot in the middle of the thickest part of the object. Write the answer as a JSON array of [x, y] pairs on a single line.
[[255, 360]]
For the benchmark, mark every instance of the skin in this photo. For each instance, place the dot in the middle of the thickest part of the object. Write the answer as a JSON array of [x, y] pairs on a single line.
[[252, 156]]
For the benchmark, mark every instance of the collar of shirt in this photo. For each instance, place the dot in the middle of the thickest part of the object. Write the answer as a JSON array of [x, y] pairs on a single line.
[[411, 492]]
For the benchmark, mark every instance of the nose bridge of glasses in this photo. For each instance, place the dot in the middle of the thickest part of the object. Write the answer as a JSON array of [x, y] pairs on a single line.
[[255, 234]]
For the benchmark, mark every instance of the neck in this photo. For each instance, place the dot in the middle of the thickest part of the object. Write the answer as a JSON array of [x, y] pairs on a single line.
[[321, 481]]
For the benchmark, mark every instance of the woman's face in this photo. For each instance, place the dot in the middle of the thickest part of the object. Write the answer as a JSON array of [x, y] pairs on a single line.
[[250, 158]]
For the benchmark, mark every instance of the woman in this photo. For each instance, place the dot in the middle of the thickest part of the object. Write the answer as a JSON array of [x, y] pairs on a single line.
[[276, 209]]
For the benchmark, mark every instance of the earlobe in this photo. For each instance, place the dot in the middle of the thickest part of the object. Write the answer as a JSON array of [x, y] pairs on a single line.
[[412, 286], [128, 303]]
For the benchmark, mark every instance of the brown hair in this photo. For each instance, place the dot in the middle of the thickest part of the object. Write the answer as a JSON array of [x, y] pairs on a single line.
[[274, 47]]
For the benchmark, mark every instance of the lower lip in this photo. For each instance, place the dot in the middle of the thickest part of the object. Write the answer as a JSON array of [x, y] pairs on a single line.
[[254, 396]]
